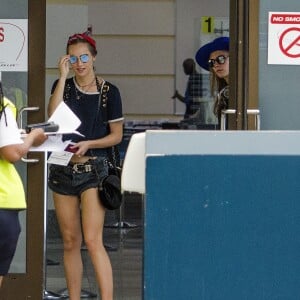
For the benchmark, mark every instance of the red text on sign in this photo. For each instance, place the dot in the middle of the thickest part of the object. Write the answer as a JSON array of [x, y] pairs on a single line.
[[1, 34], [285, 19]]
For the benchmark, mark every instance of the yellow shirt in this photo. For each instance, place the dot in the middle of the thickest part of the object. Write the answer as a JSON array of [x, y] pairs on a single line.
[[12, 194]]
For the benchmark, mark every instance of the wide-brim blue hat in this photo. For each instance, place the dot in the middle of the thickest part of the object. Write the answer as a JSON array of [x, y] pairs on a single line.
[[203, 54]]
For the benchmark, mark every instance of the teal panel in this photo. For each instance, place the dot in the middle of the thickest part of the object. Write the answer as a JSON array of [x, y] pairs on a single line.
[[222, 227]]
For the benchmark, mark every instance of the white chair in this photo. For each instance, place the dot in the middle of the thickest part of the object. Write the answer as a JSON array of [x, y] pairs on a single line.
[[133, 174], [133, 171]]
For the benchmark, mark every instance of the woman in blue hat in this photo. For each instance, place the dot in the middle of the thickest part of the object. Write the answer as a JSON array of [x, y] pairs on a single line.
[[214, 57]]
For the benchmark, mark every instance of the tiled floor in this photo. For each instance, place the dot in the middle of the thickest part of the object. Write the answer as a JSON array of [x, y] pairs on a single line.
[[124, 247]]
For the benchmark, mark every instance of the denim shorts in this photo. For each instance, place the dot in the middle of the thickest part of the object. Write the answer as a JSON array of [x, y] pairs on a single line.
[[74, 179]]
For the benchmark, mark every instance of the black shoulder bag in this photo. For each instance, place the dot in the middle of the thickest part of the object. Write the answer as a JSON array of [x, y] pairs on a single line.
[[109, 187]]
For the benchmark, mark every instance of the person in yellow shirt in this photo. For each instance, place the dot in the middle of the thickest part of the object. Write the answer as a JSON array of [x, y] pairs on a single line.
[[12, 196]]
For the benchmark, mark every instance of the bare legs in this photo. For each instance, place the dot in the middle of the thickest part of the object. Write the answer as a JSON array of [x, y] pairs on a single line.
[[93, 215], [68, 215], [92, 212]]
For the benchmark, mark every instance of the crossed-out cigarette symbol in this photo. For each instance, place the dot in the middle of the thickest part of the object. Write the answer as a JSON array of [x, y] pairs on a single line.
[[289, 42]]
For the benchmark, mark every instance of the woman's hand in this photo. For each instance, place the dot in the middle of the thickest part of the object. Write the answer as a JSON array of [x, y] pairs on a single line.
[[81, 148], [114, 138], [57, 97], [63, 66]]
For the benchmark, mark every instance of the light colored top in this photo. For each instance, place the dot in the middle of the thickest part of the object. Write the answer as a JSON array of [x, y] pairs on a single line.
[[12, 194]]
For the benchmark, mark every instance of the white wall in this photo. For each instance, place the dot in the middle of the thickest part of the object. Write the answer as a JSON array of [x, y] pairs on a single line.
[[141, 44], [136, 42], [64, 18]]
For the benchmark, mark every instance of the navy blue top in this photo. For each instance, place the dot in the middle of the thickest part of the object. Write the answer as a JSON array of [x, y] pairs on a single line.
[[86, 106]]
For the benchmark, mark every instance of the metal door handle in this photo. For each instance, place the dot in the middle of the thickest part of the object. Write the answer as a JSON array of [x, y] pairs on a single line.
[[29, 160], [21, 112], [20, 125], [254, 112]]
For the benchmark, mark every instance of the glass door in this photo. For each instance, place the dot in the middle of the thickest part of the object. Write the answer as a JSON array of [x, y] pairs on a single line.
[[22, 40], [279, 59]]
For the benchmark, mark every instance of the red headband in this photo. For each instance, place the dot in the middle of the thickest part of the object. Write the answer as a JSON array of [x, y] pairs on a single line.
[[82, 36]]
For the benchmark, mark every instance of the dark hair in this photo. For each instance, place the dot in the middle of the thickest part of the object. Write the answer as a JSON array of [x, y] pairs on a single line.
[[1, 98], [2, 105], [189, 66]]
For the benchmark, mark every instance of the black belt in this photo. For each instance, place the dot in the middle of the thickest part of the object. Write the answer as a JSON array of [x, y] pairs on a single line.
[[81, 167]]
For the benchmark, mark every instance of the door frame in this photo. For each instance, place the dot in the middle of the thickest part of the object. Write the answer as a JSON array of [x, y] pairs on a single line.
[[244, 41], [31, 284]]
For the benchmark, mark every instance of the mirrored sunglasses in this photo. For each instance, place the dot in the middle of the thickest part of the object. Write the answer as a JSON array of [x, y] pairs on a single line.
[[84, 58], [219, 59]]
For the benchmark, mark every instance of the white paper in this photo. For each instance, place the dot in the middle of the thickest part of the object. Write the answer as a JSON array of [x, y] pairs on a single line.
[[67, 121], [60, 158], [53, 143]]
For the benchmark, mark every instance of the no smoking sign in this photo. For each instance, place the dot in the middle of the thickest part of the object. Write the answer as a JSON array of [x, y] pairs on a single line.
[[284, 38]]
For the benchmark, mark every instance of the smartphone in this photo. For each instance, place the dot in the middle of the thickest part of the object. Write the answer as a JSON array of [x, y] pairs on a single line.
[[47, 126]]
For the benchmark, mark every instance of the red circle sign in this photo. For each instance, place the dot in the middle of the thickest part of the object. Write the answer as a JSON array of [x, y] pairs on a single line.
[[289, 42]]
